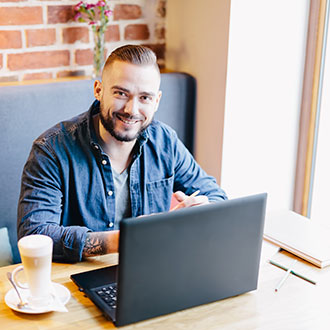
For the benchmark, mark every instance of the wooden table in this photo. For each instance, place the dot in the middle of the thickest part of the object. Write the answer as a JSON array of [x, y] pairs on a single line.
[[297, 305]]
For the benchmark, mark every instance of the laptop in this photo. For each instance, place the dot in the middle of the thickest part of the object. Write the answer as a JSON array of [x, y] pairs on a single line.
[[176, 260]]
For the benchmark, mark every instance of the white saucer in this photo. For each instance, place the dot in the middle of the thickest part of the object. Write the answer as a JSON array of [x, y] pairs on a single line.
[[11, 299]]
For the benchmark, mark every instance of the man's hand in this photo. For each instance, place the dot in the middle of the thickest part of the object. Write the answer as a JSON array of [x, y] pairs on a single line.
[[188, 201], [99, 243]]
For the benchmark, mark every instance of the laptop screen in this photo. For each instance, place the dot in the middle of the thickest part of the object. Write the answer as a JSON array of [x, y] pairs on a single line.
[[176, 260]]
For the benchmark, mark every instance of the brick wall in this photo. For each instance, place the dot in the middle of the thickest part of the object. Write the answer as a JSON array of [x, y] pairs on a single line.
[[40, 40]]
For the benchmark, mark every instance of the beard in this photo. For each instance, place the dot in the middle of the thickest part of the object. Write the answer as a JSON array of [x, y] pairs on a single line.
[[109, 123]]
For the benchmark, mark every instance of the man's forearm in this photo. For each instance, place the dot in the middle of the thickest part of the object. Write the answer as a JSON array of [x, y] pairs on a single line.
[[99, 243]]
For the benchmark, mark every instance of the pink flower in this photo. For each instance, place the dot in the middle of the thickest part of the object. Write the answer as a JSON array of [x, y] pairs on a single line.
[[92, 23], [89, 6], [78, 5], [100, 4], [108, 13], [77, 16]]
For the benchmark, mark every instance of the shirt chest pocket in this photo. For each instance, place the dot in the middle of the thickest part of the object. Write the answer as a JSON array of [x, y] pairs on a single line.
[[159, 194]]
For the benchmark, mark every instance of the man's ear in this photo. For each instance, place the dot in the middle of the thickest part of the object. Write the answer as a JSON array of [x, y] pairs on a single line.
[[98, 90], [159, 96]]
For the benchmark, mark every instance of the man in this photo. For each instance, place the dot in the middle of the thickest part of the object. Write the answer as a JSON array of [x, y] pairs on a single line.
[[86, 174]]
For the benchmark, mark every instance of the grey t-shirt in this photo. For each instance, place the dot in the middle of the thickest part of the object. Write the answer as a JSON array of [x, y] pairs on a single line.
[[122, 196]]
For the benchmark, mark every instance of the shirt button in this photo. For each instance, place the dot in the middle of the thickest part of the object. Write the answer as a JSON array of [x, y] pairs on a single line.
[[110, 193], [96, 147], [111, 224], [104, 162]]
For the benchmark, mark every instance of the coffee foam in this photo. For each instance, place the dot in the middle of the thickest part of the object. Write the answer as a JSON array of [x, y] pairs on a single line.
[[35, 245]]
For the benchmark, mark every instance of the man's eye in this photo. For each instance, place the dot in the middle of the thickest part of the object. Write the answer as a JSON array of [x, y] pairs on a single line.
[[146, 98], [120, 93]]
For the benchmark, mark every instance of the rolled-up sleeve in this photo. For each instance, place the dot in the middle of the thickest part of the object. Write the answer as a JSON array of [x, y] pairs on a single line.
[[41, 202]]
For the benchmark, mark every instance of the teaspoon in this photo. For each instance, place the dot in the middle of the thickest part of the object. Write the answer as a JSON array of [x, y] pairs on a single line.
[[21, 303]]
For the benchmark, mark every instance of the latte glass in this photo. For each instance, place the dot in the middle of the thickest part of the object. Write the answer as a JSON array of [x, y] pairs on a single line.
[[36, 254]]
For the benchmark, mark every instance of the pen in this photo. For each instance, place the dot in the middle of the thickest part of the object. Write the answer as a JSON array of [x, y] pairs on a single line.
[[293, 272], [190, 196], [288, 272]]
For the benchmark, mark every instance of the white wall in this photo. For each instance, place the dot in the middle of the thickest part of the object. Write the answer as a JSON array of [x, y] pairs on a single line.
[[267, 43], [196, 43], [320, 198]]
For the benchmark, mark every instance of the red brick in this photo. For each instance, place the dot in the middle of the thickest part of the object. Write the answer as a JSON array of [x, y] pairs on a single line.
[[60, 14], [161, 9], [127, 12], [20, 15], [63, 74], [1, 61], [10, 39], [38, 76], [40, 37], [73, 34], [137, 32], [159, 50], [160, 32], [37, 60], [8, 78], [84, 56], [112, 33]]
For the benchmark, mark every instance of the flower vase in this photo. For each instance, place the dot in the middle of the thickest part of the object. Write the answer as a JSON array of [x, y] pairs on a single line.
[[98, 53]]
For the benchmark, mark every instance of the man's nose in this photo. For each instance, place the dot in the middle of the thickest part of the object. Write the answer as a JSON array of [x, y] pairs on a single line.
[[132, 106]]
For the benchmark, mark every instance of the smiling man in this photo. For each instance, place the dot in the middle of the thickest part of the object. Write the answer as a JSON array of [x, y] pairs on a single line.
[[114, 161]]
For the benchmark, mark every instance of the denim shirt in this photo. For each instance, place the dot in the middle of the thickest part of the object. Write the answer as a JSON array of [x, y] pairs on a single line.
[[67, 187]]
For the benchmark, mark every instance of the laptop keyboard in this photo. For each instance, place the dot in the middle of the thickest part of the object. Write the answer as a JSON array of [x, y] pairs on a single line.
[[109, 295]]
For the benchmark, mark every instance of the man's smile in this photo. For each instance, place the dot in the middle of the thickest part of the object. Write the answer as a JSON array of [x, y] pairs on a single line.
[[127, 119]]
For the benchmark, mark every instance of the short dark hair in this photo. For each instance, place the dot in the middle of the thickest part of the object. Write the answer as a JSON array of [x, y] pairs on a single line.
[[134, 54]]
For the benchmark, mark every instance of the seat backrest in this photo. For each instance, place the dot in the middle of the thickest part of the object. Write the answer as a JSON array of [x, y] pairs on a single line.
[[6, 255], [28, 110]]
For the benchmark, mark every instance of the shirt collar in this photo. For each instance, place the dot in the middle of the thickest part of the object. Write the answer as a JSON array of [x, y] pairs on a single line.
[[93, 110]]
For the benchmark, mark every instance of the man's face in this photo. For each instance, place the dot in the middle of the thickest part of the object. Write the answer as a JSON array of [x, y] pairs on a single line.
[[129, 96]]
